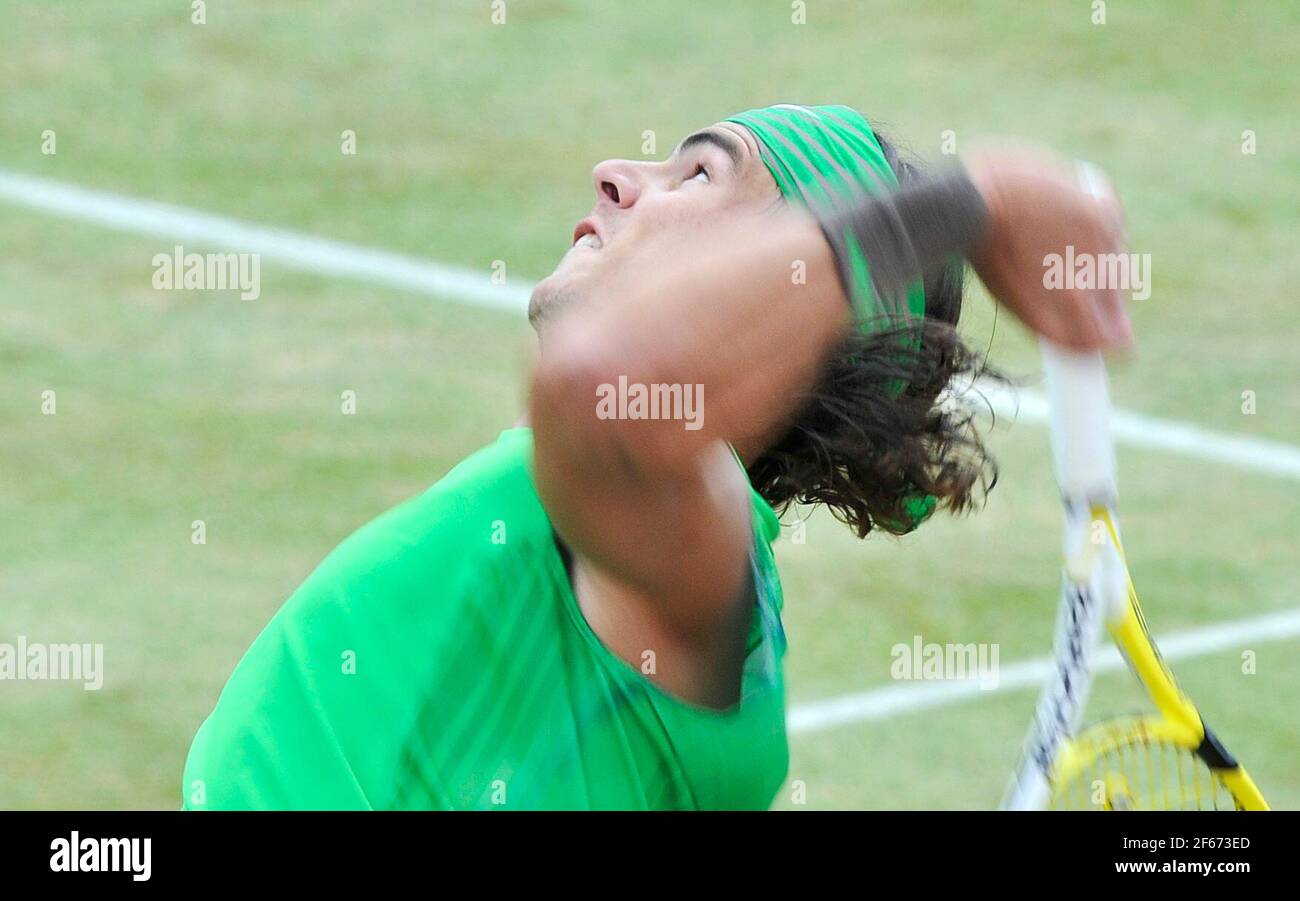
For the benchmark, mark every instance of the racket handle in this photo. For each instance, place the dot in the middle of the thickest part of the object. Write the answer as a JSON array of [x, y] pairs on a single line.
[[1078, 395]]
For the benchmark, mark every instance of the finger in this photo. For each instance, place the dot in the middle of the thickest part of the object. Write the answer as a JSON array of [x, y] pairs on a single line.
[[1075, 322], [1117, 327], [1109, 201], [1099, 318]]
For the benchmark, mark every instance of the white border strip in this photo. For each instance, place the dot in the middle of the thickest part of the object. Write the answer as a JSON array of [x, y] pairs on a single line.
[[909, 697]]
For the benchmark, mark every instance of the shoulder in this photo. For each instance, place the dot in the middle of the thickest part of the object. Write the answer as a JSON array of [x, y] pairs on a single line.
[[484, 504]]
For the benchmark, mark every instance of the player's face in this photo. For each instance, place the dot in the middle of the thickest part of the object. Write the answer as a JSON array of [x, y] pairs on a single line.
[[647, 213]]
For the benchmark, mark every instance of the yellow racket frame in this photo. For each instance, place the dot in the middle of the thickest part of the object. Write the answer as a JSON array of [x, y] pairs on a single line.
[[1178, 723]]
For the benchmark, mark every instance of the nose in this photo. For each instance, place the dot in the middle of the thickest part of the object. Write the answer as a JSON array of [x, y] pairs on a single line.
[[617, 182]]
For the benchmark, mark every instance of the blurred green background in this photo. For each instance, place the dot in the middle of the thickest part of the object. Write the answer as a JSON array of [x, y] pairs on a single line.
[[475, 144]]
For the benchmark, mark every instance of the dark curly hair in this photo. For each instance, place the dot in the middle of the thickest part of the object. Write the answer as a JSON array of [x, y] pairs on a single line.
[[870, 452]]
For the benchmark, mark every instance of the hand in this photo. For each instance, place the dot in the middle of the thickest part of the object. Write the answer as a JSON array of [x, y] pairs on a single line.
[[1037, 207]]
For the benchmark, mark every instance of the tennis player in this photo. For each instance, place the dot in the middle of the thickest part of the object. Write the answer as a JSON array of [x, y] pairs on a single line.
[[586, 613]]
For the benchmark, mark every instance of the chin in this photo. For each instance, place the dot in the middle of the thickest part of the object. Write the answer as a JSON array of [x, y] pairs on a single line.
[[550, 295]]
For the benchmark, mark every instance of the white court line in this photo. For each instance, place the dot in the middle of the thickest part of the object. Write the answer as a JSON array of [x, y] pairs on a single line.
[[909, 697], [319, 255], [1180, 438], [336, 258]]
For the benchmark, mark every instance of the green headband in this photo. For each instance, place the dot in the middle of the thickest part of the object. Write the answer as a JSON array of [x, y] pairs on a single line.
[[822, 156]]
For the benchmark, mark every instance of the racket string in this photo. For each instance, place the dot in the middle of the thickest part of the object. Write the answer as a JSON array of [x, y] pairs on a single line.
[[1135, 771]]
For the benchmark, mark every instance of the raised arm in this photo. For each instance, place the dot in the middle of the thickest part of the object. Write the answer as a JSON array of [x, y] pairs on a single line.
[[660, 507]]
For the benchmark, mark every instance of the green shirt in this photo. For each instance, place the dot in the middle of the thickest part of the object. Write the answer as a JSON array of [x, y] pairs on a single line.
[[437, 659]]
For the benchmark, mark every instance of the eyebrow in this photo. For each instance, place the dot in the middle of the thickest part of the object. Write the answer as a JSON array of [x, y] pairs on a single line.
[[729, 146]]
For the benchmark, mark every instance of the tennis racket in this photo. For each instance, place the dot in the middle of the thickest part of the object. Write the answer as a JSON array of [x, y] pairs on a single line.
[[1168, 760]]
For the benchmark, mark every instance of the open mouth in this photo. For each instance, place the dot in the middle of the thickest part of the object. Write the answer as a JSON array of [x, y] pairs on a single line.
[[586, 235]]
